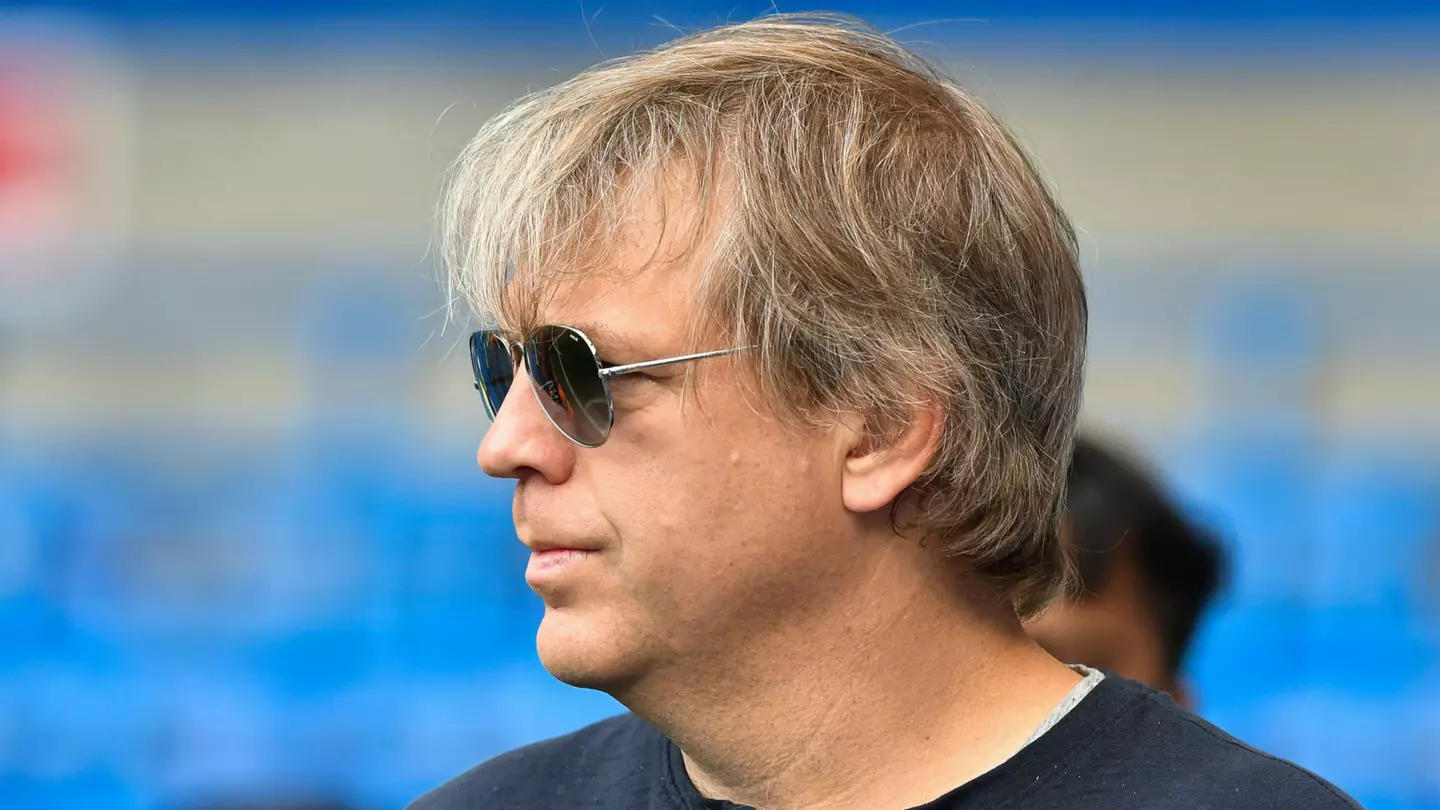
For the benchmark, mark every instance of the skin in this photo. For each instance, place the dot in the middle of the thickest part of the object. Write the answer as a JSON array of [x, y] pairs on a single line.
[[740, 584]]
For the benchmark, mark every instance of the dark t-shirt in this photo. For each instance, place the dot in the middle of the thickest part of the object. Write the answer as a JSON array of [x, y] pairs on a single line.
[[1123, 746]]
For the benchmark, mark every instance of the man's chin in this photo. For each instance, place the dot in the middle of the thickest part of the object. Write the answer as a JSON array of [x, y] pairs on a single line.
[[581, 651]]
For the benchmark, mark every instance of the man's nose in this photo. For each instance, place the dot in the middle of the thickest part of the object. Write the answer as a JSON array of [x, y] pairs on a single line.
[[522, 438]]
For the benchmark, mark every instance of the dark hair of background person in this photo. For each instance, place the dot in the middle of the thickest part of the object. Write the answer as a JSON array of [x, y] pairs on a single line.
[[1115, 507]]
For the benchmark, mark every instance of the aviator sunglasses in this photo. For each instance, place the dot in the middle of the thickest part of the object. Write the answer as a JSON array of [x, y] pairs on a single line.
[[566, 374]]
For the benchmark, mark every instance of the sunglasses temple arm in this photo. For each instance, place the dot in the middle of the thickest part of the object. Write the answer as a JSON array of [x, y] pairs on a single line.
[[629, 368]]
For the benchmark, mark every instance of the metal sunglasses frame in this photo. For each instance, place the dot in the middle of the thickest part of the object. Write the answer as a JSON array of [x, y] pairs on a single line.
[[607, 373]]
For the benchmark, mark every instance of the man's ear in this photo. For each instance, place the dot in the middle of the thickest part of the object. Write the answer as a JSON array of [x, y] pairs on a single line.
[[877, 470]]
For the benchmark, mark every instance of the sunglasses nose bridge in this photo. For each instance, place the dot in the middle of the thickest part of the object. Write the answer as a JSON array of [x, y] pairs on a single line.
[[517, 356]]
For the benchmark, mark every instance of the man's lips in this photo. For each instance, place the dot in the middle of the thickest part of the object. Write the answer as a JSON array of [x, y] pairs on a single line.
[[550, 568], [553, 555], [541, 545], [547, 559]]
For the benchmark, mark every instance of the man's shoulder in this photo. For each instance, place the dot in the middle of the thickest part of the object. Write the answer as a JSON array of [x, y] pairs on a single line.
[[578, 769], [1197, 764]]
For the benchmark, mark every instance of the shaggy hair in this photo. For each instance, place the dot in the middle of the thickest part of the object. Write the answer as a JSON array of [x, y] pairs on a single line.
[[867, 226]]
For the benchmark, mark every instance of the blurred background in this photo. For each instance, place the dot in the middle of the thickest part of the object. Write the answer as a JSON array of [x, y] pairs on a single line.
[[246, 557]]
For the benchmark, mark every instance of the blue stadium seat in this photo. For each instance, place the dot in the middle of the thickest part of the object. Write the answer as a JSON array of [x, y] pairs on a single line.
[[1378, 533], [221, 734], [1256, 492], [326, 743], [36, 536], [93, 790], [32, 627], [1379, 756], [75, 739], [1368, 651], [461, 602], [320, 659], [443, 726], [1243, 654]]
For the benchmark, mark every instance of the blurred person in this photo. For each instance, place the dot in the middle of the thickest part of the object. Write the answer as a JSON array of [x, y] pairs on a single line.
[[1146, 574], [785, 360]]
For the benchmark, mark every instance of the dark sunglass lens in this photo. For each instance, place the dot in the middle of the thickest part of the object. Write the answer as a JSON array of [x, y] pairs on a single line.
[[494, 369], [566, 376]]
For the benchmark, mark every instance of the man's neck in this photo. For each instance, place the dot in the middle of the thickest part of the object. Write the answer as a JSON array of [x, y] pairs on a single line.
[[891, 707]]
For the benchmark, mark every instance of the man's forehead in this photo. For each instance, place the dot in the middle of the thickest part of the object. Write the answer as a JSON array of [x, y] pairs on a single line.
[[629, 276], [620, 306]]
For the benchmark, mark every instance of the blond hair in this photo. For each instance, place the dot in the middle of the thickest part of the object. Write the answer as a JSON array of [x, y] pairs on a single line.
[[874, 232]]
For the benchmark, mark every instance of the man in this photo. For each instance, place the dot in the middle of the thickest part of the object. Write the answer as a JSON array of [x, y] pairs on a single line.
[[802, 332], [1146, 574]]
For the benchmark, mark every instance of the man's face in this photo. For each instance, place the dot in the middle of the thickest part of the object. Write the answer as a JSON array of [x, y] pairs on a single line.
[[706, 526]]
